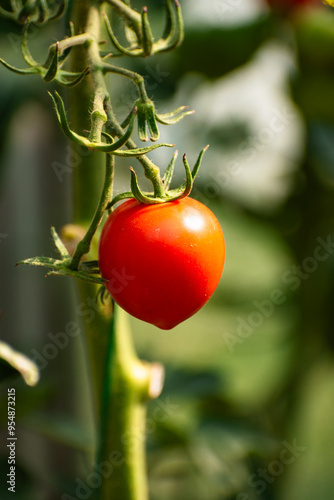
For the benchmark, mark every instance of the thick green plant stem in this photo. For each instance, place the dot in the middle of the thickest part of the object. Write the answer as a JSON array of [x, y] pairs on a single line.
[[88, 171], [121, 383], [129, 383]]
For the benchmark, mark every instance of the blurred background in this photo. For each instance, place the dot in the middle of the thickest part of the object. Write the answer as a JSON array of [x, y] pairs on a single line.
[[247, 409]]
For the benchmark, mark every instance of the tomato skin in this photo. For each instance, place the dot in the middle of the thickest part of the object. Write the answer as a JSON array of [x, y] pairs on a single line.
[[162, 262]]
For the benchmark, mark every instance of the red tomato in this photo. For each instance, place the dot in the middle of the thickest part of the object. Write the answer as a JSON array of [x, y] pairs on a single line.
[[162, 262]]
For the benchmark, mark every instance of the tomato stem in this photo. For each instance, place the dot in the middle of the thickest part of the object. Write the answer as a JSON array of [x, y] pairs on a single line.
[[83, 246], [129, 383]]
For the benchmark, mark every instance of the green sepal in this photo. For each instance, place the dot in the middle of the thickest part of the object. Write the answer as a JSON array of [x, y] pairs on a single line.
[[176, 36], [59, 244], [169, 20], [41, 261], [36, 11], [90, 267], [172, 195], [168, 175], [141, 151], [147, 40], [172, 36], [43, 11], [62, 267], [58, 13], [175, 194], [185, 189], [197, 165], [136, 191], [71, 83], [113, 148], [115, 42], [64, 271], [147, 118], [174, 116], [107, 148], [26, 71], [53, 68], [142, 116], [58, 267], [153, 127], [189, 179], [174, 31], [25, 49], [60, 58]]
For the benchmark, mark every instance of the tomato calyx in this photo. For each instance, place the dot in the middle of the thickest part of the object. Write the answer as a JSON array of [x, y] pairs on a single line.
[[168, 195], [139, 34], [148, 118], [51, 69], [38, 12], [111, 146]]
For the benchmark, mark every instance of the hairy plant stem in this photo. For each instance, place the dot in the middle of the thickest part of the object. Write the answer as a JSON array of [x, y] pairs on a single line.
[[121, 383], [106, 195], [102, 112]]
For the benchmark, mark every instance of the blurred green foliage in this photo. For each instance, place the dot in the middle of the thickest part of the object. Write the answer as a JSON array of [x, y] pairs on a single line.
[[246, 412]]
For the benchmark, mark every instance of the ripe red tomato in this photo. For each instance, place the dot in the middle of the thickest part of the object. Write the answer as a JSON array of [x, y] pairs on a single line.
[[162, 262]]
